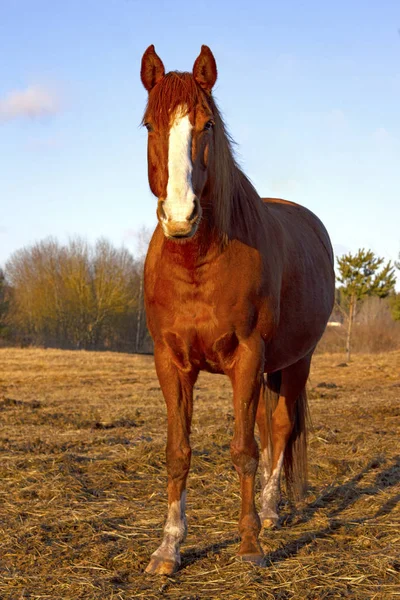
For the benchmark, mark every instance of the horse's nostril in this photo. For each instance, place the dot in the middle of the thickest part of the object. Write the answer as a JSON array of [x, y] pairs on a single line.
[[161, 210], [195, 211]]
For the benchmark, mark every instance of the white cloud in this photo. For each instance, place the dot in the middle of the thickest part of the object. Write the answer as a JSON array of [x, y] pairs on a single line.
[[34, 101]]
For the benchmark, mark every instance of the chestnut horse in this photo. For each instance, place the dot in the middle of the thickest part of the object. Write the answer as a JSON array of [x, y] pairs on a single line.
[[234, 284]]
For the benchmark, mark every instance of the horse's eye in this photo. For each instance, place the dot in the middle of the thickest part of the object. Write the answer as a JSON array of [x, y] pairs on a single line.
[[209, 125], [148, 127]]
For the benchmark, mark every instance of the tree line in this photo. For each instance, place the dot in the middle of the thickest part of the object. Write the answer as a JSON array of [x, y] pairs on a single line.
[[74, 296], [91, 297]]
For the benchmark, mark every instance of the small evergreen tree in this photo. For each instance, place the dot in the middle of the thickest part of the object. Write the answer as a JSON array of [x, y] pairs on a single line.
[[363, 275]]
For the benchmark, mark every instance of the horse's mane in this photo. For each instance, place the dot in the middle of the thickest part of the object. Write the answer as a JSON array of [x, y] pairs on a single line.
[[236, 206]]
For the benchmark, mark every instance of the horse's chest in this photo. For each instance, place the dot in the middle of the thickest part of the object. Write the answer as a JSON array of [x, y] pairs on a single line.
[[200, 320], [196, 306]]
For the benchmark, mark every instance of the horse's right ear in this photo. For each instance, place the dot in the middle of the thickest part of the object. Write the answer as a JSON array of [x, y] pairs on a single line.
[[152, 70]]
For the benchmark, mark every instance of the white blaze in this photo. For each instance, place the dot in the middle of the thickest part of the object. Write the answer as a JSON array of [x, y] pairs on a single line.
[[179, 202]]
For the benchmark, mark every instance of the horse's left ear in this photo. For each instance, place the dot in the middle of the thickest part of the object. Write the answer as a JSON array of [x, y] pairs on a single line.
[[205, 69], [152, 70]]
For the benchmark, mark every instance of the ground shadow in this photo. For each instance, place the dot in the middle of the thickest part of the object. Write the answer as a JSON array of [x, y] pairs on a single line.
[[192, 555], [292, 548], [346, 493], [349, 492]]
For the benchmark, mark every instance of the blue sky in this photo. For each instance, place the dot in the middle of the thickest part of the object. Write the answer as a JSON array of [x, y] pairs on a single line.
[[310, 92]]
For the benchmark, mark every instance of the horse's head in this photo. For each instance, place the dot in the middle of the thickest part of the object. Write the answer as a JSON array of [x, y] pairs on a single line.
[[180, 120]]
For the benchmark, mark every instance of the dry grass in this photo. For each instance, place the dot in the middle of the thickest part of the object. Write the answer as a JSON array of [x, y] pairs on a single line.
[[82, 485]]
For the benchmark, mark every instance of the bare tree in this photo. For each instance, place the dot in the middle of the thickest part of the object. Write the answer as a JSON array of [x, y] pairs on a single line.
[[73, 295]]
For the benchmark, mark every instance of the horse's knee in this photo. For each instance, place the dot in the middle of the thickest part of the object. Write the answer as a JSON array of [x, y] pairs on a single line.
[[245, 457]]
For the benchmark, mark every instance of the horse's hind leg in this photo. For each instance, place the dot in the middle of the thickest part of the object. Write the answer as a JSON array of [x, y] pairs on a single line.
[[269, 395], [285, 443], [177, 387]]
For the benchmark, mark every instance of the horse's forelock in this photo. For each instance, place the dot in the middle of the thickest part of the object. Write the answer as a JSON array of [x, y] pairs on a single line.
[[174, 90]]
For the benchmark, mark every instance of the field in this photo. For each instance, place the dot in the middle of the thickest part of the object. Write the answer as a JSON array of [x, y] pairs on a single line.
[[82, 484]]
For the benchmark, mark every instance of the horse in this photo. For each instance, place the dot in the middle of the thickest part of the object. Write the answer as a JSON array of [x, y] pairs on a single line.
[[233, 284]]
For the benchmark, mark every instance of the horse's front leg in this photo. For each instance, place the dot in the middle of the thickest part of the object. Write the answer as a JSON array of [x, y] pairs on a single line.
[[177, 387], [246, 376]]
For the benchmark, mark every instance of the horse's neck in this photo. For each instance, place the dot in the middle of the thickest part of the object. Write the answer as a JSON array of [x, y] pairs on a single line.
[[203, 247]]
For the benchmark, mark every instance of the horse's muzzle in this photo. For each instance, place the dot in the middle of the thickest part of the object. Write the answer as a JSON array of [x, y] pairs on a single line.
[[179, 229]]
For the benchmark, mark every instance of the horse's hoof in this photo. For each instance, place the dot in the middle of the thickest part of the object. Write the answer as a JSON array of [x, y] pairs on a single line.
[[255, 559], [251, 551], [161, 566], [270, 523], [269, 520]]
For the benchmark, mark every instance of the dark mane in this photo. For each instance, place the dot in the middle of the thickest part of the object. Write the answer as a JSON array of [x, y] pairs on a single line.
[[237, 208]]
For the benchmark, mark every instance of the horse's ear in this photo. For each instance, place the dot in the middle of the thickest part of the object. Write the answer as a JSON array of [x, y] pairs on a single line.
[[205, 69], [152, 70]]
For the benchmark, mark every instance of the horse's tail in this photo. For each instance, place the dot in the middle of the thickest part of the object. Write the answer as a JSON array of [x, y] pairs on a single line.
[[295, 457]]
